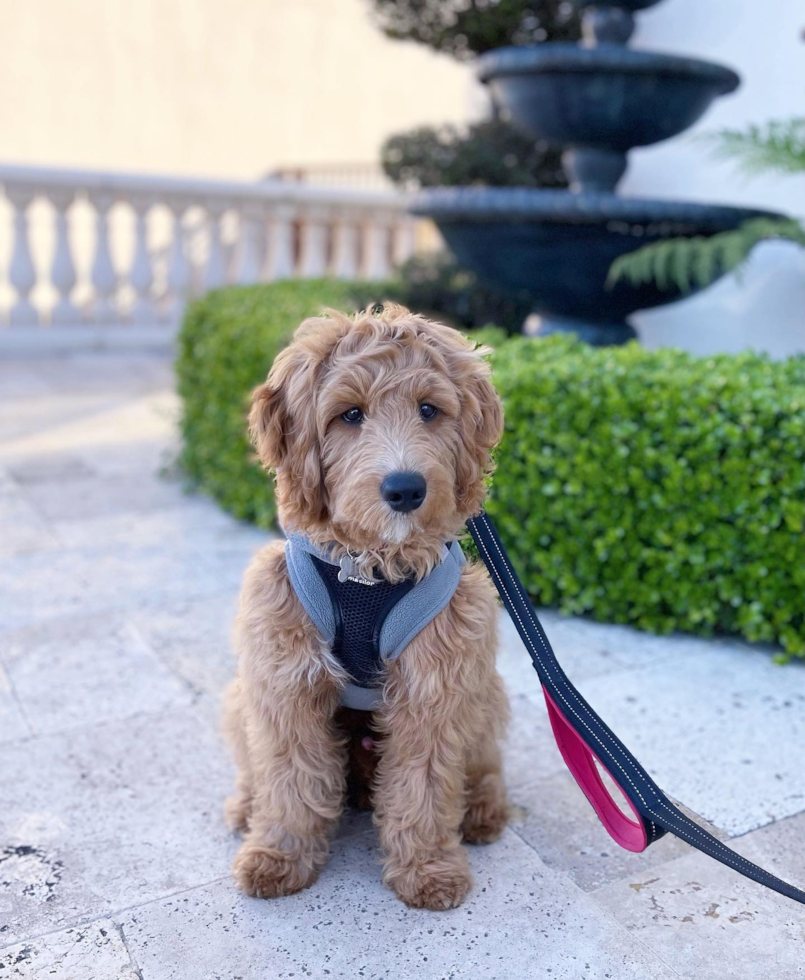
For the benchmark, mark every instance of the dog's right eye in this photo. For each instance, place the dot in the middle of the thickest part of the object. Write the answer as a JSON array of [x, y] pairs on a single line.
[[353, 415]]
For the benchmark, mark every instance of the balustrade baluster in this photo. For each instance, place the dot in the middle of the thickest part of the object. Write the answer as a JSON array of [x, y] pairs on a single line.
[[376, 264], [141, 274], [104, 278], [178, 278], [280, 262], [62, 270], [22, 272], [345, 247], [313, 252], [215, 274], [250, 243]]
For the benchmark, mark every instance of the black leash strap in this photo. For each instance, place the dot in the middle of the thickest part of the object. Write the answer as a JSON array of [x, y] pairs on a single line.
[[587, 743]]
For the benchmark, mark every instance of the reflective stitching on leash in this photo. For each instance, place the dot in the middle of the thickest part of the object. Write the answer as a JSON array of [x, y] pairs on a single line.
[[714, 843]]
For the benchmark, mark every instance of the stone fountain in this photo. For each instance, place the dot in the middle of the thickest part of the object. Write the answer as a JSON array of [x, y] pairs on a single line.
[[599, 99]]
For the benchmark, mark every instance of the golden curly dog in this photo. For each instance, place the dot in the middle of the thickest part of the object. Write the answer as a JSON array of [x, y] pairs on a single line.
[[349, 402]]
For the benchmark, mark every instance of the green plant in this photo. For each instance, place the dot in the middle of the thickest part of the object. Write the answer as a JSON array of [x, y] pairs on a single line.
[[437, 285], [464, 28], [693, 263], [687, 263], [644, 487], [489, 153], [655, 488], [779, 146]]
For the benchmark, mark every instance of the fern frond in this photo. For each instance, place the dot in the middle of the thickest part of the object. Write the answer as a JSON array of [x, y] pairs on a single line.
[[681, 266], [663, 264], [686, 264], [777, 145], [704, 263]]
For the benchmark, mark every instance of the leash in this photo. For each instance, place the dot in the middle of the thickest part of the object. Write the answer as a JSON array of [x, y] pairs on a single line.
[[586, 742]]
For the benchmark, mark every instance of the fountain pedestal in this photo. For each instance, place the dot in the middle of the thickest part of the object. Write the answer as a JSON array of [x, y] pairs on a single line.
[[600, 99]]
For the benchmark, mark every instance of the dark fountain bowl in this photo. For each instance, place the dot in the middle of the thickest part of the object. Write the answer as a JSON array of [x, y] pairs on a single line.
[[557, 247], [604, 96], [601, 101]]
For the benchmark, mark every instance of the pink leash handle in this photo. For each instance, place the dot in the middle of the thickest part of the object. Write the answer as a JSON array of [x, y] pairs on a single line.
[[583, 764], [590, 747]]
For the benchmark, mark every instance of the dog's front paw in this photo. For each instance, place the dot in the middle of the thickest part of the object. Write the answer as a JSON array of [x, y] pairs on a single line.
[[487, 811], [268, 872], [440, 883]]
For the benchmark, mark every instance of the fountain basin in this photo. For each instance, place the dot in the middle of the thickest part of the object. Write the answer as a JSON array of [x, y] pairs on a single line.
[[557, 248], [608, 97]]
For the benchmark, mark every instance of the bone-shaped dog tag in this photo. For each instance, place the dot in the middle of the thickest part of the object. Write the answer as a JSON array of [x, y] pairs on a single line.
[[348, 569], [348, 572]]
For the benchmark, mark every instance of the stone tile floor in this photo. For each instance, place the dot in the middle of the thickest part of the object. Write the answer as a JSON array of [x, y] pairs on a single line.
[[117, 592]]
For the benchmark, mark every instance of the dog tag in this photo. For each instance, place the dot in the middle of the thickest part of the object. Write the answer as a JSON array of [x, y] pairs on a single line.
[[348, 572], [347, 568]]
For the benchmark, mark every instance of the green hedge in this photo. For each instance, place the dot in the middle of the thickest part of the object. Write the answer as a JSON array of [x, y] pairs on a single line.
[[642, 487], [655, 488]]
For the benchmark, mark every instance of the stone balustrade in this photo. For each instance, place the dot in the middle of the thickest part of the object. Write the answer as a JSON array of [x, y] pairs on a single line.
[[82, 248]]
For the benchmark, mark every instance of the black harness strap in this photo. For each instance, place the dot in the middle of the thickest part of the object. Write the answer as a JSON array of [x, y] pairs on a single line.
[[585, 741], [359, 612]]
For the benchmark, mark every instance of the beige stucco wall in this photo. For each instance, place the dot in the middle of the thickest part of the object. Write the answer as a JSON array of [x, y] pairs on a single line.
[[211, 87]]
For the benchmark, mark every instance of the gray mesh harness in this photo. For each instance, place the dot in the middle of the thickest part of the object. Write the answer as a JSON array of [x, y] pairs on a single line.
[[366, 624]]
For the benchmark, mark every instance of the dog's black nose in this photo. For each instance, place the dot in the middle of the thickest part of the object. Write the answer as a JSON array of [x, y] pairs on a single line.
[[404, 492]]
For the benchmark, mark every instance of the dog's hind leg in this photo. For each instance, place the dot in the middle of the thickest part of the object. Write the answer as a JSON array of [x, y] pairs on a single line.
[[238, 807], [487, 810]]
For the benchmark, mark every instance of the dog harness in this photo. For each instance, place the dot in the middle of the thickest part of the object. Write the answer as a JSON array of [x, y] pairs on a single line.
[[586, 743], [367, 622]]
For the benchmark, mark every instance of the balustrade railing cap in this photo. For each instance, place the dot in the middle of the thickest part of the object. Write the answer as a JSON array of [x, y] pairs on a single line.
[[196, 189]]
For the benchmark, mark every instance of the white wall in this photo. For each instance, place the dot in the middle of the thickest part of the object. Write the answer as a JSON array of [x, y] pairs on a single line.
[[763, 42], [222, 88]]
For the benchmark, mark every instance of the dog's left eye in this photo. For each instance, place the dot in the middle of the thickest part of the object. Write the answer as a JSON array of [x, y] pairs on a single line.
[[353, 415], [428, 412]]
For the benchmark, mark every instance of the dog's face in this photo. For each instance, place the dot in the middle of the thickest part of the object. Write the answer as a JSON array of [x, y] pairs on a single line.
[[379, 429]]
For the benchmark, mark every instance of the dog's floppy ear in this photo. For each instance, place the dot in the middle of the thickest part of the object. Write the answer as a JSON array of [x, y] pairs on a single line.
[[489, 427], [269, 418], [282, 425], [482, 426], [268, 423]]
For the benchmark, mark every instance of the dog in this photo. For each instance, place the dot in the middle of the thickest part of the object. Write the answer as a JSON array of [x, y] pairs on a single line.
[[379, 429]]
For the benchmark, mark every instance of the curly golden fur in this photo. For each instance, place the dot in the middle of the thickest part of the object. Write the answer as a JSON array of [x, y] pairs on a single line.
[[428, 759]]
